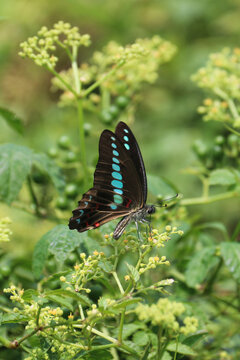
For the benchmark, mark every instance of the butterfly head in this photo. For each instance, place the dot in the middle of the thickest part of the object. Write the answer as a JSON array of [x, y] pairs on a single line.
[[151, 209]]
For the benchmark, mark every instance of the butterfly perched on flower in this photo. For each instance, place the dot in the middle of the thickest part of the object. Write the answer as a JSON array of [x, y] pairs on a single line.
[[119, 187]]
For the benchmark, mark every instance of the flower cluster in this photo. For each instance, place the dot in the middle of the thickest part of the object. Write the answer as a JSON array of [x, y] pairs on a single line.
[[43, 318], [40, 48], [5, 232], [83, 272], [121, 70], [165, 314], [221, 77], [158, 240]]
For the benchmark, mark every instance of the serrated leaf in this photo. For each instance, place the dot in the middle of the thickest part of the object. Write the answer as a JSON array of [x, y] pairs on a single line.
[[10, 318], [94, 355], [30, 295], [60, 241], [127, 302], [129, 329], [66, 293], [106, 266], [157, 185], [199, 265], [15, 165], [134, 273], [223, 177], [181, 349], [140, 338], [192, 339], [216, 226], [231, 255], [166, 356], [50, 167], [61, 300], [12, 120]]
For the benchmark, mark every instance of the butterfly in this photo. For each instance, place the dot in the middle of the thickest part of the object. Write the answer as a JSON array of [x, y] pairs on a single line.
[[119, 187]]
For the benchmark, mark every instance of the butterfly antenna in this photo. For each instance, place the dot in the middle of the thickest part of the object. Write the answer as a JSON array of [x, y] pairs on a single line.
[[167, 199]]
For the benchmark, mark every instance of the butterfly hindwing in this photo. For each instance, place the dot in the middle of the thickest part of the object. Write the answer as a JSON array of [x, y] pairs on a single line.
[[119, 182]]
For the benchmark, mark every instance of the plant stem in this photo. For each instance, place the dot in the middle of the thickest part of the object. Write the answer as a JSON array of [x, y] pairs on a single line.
[[211, 281], [231, 129], [33, 195], [159, 345], [75, 70], [59, 77], [118, 282], [210, 199], [103, 78], [121, 325], [82, 138]]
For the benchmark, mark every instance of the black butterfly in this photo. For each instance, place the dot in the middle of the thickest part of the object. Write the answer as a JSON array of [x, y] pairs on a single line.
[[120, 185]]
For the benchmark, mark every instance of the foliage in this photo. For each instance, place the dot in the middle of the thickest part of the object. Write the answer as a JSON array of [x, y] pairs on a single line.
[[88, 295]]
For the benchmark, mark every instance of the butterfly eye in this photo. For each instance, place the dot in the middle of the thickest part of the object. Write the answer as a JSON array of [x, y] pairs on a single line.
[[151, 209]]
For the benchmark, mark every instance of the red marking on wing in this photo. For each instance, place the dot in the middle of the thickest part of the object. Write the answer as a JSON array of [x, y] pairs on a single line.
[[96, 225], [97, 206], [87, 224], [128, 204]]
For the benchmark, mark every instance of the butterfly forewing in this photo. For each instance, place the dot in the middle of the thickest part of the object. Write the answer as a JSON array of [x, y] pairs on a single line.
[[125, 135], [119, 184]]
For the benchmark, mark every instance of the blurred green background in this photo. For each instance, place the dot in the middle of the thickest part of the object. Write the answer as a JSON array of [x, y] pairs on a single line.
[[166, 121]]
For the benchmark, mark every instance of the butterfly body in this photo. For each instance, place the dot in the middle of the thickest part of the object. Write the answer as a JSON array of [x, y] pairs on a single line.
[[120, 185]]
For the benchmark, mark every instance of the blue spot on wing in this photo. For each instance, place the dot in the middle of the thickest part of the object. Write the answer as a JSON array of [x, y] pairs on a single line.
[[125, 130], [114, 145], [117, 199], [116, 175], [126, 138], [115, 152], [127, 146], [115, 160], [113, 206], [117, 184], [118, 191], [116, 167]]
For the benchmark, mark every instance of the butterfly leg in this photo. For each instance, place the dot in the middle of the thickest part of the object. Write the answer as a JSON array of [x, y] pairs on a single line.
[[138, 233]]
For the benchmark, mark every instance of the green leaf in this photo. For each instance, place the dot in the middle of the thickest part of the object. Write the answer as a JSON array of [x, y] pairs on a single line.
[[134, 273], [159, 186], [140, 338], [13, 121], [127, 302], [222, 177], [51, 168], [60, 241], [231, 255], [181, 349], [192, 339], [15, 165], [200, 264], [129, 329], [82, 299], [13, 318], [40, 255], [61, 300], [30, 295], [217, 226], [166, 356]]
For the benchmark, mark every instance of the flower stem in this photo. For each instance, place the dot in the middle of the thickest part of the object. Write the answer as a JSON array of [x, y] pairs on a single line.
[[103, 78], [82, 138], [210, 199], [33, 195], [118, 282], [121, 325]]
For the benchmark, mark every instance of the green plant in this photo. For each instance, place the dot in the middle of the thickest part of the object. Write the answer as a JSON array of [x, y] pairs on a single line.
[[87, 296]]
